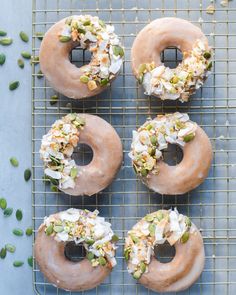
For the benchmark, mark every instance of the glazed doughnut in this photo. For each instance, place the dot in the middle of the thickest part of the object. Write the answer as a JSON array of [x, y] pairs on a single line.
[[58, 146], [154, 136], [157, 228], [164, 82], [88, 32], [82, 227]]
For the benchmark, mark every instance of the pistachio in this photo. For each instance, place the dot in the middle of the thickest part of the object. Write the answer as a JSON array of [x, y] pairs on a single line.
[[73, 172], [29, 231], [24, 37], [189, 137], [102, 261], [14, 85], [3, 253], [19, 215], [87, 23], [153, 140], [142, 68], [81, 30], [54, 188], [207, 55], [64, 39], [151, 151], [184, 237], [39, 35], [142, 267], [159, 215], [104, 82], [209, 66], [175, 80], [26, 54], [90, 256], [89, 242], [6, 41], [118, 50], [144, 172], [21, 63], [126, 253], [2, 33], [84, 79], [137, 275], [54, 99], [39, 74], [27, 174], [58, 228], [2, 58], [49, 230], [3, 203], [14, 162], [18, 232], [8, 212], [10, 248], [134, 239], [102, 24], [69, 20], [18, 263], [115, 238], [152, 229], [30, 261], [92, 85], [149, 217], [188, 221]]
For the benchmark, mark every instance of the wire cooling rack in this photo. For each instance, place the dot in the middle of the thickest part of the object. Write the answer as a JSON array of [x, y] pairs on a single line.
[[212, 205]]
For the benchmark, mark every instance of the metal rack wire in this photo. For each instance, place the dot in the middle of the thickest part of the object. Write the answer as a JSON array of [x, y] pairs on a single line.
[[212, 205]]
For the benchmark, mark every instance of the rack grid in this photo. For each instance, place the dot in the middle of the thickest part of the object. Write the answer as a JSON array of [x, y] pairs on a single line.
[[212, 205]]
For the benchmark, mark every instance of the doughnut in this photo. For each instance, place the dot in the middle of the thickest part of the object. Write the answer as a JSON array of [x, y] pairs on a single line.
[[154, 136], [58, 146], [88, 32], [157, 228], [164, 82], [81, 227]]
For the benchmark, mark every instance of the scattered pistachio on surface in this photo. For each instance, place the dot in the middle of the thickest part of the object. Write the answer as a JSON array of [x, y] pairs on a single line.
[[21, 63], [27, 174], [3, 203], [6, 41], [24, 37], [8, 211], [18, 263], [14, 85], [14, 161], [26, 54], [18, 232], [2, 58], [19, 214]]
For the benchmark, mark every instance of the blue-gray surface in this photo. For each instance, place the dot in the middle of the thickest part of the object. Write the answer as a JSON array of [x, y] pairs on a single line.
[[15, 134]]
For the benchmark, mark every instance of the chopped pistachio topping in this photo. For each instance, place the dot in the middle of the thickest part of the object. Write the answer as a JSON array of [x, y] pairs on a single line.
[[99, 38], [155, 228], [83, 226], [153, 137], [58, 146], [181, 82]]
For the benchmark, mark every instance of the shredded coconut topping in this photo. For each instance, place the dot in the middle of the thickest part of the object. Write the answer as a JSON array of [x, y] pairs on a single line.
[[56, 150], [83, 226], [154, 135], [93, 34], [181, 82], [155, 228]]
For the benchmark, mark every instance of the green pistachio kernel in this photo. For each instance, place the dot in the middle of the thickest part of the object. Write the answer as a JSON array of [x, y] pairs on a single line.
[[90, 242], [153, 140], [209, 66], [26, 54], [149, 127], [2, 58], [6, 41], [188, 221], [137, 275], [19, 215], [73, 172], [149, 217], [30, 261], [8, 212], [21, 63], [159, 215], [81, 30], [58, 228], [126, 253], [144, 172], [3, 203], [175, 80], [84, 79], [152, 229], [3, 253], [90, 256], [101, 22], [49, 230], [29, 231], [118, 50], [207, 55], [134, 239], [13, 85], [10, 248], [3, 33], [189, 137], [142, 68], [18, 263], [18, 232], [151, 151], [87, 23], [104, 82], [142, 267], [140, 79], [102, 261], [39, 35], [115, 238], [24, 37], [53, 99], [54, 188], [185, 237], [27, 174], [64, 39], [69, 20]]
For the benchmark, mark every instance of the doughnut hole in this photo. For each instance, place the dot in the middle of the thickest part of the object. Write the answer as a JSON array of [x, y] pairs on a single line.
[[171, 57], [83, 154], [74, 252], [80, 57], [164, 253], [173, 155]]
